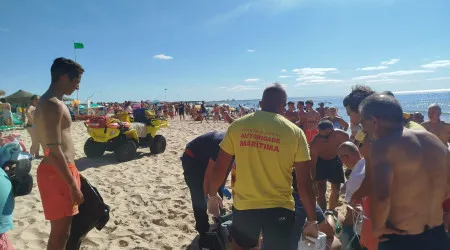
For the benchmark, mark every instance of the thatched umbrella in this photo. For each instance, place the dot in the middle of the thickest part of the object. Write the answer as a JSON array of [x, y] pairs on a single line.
[[20, 97]]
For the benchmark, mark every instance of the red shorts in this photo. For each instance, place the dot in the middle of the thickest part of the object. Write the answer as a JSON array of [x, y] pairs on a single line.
[[310, 133], [55, 194], [5, 244], [446, 205]]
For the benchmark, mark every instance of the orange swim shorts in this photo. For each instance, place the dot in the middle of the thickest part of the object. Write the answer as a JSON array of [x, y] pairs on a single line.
[[310, 133], [55, 194]]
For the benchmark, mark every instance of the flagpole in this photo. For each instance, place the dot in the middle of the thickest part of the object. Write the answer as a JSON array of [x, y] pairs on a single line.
[[75, 57]]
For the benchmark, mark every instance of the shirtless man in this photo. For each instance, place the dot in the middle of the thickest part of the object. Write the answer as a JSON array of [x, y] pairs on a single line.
[[325, 161], [321, 110], [411, 173], [291, 114], [435, 126], [337, 121], [312, 118], [57, 177], [301, 114]]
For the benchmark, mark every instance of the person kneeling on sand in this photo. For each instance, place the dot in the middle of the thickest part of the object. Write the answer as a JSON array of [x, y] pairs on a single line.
[[198, 160], [411, 171]]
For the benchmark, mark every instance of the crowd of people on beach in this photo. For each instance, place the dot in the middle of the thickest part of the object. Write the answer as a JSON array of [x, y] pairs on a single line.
[[393, 169]]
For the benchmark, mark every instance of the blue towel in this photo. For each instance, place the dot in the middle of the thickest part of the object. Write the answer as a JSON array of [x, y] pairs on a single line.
[[9, 152]]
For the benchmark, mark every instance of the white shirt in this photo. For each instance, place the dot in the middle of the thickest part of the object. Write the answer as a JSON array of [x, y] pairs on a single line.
[[355, 179]]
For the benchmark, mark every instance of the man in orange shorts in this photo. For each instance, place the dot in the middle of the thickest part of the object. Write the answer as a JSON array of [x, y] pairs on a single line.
[[57, 177], [312, 118]]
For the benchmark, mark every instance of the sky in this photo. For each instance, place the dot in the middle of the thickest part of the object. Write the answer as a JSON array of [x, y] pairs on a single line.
[[216, 50]]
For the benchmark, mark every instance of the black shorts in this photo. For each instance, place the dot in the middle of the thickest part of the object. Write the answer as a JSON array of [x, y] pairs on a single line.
[[181, 112], [275, 223], [433, 239], [330, 170]]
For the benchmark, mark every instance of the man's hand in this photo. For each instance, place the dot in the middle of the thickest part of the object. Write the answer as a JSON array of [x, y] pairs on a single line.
[[76, 196], [311, 229], [214, 205]]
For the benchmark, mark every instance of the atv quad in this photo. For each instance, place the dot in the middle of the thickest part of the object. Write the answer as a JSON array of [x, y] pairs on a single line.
[[122, 137]]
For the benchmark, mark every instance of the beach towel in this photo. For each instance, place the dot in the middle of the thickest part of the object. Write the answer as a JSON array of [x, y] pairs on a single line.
[[9, 151], [4, 139]]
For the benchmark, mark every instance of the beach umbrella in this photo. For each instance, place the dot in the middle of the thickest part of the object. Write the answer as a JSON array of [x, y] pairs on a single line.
[[20, 97]]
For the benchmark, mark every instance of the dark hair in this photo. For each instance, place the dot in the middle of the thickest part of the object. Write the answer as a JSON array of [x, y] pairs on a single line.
[[325, 124], [3, 100], [301, 102], [387, 92], [273, 96], [309, 102], [290, 102], [383, 107], [358, 94], [63, 66], [34, 97], [321, 104]]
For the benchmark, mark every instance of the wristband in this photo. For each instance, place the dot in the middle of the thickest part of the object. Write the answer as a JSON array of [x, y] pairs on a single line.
[[311, 222]]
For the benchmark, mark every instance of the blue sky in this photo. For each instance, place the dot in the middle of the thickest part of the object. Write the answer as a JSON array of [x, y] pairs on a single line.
[[212, 50]]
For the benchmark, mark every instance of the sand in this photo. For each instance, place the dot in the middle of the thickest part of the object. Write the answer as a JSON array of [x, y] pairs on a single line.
[[149, 200]]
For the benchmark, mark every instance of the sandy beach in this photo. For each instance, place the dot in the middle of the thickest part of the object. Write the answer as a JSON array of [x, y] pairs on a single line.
[[149, 200]]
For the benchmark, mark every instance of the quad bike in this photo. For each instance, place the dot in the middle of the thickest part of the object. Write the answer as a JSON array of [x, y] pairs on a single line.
[[117, 134]]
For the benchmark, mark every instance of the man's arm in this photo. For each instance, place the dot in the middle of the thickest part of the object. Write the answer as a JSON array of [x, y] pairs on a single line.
[[343, 124], [380, 197], [218, 172], [52, 114], [364, 189], [305, 189]]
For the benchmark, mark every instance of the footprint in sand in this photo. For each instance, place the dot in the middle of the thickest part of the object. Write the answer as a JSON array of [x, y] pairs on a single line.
[[123, 243], [159, 222]]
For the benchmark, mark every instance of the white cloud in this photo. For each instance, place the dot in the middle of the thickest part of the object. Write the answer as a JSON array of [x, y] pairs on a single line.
[[437, 64], [439, 78], [283, 71], [318, 81], [251, 50], [390, 62], [373, 68], [285, 76], [314, 71], [243, 88], [387, 80], [393, 73], [310, 77], [162, 57], [252, 80]]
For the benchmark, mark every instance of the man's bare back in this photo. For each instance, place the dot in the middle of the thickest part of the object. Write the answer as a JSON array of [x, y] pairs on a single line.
[[327, 148], [420, 168], [291, 116], [440, 129], [49, 110]]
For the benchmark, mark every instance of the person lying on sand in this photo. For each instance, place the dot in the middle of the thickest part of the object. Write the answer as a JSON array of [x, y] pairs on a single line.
[[57, 176], [412, 166]]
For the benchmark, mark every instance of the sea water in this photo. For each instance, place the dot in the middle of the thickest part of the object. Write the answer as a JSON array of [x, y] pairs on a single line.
[[411, 103]]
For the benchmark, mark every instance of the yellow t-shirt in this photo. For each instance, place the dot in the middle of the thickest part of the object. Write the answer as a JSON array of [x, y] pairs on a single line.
[[265, 146]]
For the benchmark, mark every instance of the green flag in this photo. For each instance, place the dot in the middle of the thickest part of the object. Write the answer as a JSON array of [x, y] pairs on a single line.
[[78, 45]]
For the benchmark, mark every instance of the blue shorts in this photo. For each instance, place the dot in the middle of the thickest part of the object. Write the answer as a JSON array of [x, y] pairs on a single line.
[[300, 217]]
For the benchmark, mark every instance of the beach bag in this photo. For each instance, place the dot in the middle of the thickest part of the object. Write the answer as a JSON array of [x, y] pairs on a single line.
[[19, 176], [98, 122], [92, 213]]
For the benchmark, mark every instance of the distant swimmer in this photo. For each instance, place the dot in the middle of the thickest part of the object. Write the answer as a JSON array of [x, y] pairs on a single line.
[[337, 121], [325, 161], [312, 118], [291, 114], [57, 176], [434, 125], [411, 171]]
